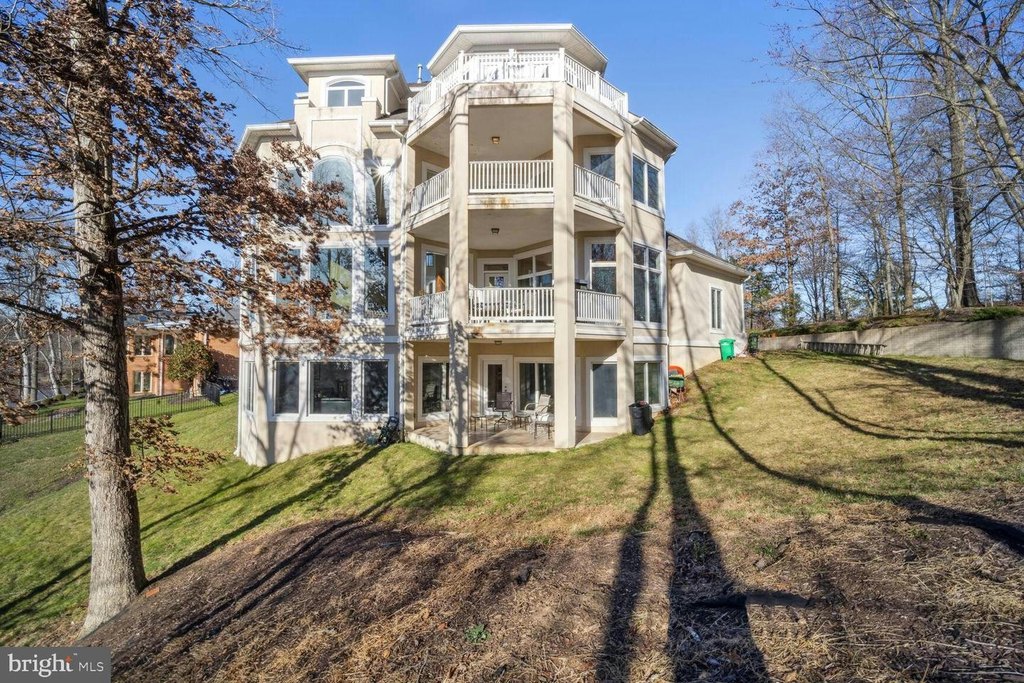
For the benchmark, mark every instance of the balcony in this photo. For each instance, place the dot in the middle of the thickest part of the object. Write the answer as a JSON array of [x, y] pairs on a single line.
[[516, 177], [517, 305], [515, 67]]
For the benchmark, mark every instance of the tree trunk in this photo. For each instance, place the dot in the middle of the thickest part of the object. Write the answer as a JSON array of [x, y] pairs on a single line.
[[117, 574]]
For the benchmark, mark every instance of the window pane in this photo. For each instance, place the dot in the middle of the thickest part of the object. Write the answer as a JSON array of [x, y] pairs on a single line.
[[336, 98], [603, 164], [375, 387], [434, 387], [653, 382], [546, 280], [337, 171], [286, 387], [605, 390], [654, 259], [355, 97], [546, 383], [435, 268], [248, 377], [330, 388], [543, 261], [524, 266], [654, 297], [168, 345], [370, 186], [639, 379], [602, 279], [376, 276], [525, 282], [639, 294], [638, 179], [527, 384], [639, 255], [335, 269], [605, 251], [653, 190]]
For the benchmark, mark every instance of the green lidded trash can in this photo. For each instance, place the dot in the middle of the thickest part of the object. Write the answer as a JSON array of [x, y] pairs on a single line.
[[728, 348]]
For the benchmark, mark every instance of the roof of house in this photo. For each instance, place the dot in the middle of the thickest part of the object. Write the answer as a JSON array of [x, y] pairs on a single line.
[[502, 36], [684, 249]]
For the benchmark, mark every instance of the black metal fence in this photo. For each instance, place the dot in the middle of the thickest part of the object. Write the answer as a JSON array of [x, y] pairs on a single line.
[[67, 419]]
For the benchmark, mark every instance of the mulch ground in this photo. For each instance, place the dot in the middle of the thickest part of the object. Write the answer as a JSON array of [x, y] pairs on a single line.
[[881, 593]]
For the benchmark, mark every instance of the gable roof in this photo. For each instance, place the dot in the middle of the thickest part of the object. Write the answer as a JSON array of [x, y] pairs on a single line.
[[678, 248]]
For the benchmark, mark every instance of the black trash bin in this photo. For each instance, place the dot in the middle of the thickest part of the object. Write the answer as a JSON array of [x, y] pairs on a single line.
[[640, 417]]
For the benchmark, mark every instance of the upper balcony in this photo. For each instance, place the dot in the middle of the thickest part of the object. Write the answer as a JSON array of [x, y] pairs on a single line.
[[516, 178], [513, 66]]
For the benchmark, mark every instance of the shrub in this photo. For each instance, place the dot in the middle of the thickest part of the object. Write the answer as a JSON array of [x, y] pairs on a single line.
[[191, 361]]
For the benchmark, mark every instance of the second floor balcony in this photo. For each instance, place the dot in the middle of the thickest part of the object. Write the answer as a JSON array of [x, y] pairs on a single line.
[[516, 177], [515, 66], [511, 305]]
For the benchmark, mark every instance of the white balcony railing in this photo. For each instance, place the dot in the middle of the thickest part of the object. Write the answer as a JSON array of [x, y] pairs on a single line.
[[430, 192], [511, 176], [511, 304], [595, 187], [515, 66], [430, 308], [597, 307]]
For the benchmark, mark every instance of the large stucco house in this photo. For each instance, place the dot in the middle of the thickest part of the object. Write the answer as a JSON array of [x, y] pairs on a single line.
[[506, 235]]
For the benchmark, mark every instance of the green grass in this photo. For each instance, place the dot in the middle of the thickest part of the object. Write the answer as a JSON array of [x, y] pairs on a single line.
[[758, 439]]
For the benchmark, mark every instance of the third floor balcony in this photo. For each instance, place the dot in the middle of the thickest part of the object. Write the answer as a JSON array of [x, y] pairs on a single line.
[[514, 66]]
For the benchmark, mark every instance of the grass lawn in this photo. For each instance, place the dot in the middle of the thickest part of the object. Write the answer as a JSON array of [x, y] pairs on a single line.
[[758, 443]]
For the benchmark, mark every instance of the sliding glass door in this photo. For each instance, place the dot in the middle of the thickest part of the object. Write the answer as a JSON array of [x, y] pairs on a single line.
[[535, 378]]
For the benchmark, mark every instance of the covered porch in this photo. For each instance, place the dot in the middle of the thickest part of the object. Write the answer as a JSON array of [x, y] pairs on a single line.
[[501, 439]]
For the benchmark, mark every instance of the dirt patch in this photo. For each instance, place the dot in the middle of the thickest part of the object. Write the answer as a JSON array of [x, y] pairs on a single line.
[[873, 595]]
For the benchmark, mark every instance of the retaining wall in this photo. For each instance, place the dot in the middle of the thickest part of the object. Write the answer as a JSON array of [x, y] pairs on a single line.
[[981, 339]]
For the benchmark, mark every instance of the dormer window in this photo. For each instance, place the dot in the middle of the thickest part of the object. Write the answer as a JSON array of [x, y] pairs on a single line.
[[345, 94]]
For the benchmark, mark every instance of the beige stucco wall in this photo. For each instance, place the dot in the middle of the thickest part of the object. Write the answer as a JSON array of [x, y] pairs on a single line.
[[693, 343]]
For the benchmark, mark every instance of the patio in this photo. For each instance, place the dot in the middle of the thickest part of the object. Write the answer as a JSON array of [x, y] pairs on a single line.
[[499, 441]]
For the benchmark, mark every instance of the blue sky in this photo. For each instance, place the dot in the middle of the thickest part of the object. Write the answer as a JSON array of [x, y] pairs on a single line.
[[698, 69]]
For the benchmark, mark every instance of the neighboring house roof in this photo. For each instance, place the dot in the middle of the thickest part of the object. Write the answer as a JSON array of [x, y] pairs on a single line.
[[468, 37], [678, 248]]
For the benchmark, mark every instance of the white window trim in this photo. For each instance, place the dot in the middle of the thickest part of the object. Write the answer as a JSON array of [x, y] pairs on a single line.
[[357, 313], [601, 421], [660, 209], [481, 268], [532, 253], [335, 82], [721, 309], [663, 258], [664, 377], [356, 207], [428, 249], [507, 361], [428, 417], [357, 415], [515, 374], [588, 152], [588, 262]]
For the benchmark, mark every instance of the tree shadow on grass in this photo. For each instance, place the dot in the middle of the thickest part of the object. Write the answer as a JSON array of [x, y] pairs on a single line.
[[921, 510]]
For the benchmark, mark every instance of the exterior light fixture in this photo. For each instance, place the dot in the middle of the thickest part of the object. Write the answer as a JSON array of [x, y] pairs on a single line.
[[495, 139], [495, 231]]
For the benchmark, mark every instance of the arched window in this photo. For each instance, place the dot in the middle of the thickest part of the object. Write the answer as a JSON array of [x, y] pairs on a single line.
[[345, 94], [337, 170]]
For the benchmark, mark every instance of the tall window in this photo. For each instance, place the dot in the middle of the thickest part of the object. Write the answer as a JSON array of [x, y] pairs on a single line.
[[377, 187], [330, 388], [345, 94], [376, 276], [168, 345], [335, 270], [142, 345], [535, 379], [601, 162], [338, 172], [647, 304], [142, 382], [248, 385], [286, 387], [716, 309], [646, 184], [647, 381], [435, 271], [434, 388], [376, 387], [534, 271], [602, 267], [290, 274]]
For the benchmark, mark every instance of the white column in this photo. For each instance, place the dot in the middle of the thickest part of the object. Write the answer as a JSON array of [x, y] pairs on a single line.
[[458, 276], [564, 268]]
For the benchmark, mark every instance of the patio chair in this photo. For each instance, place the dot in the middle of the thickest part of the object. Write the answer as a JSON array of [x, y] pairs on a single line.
[[502, 405], [530, 410], [544, 419]]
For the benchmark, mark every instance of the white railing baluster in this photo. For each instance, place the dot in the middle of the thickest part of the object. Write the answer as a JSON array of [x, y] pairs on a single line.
[[511, 176], [430, 192], [511, 304], [429, 308], [597, 307], [596, 187]]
